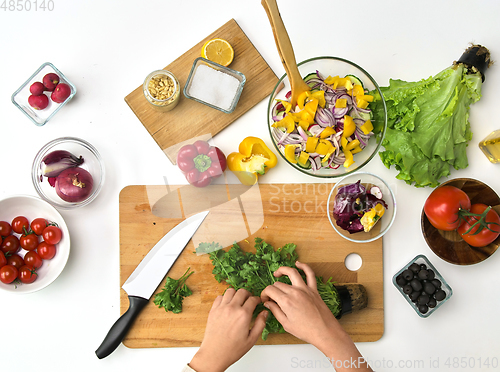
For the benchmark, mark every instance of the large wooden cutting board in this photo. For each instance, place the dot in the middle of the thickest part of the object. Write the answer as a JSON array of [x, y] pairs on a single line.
[[278, 213], [191, 119]]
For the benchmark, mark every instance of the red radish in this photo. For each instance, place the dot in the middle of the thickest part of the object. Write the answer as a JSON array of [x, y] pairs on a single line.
[[37, 88], [61, 93], [74, 185], [50, 81], [38, 102]]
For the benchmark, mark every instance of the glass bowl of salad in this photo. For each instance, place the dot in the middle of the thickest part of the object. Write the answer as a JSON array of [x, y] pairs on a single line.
[[331, 131], [361, 207]]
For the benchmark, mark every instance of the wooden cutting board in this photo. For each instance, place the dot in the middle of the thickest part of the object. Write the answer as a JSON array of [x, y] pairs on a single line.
[[277, 213], [191, 119]]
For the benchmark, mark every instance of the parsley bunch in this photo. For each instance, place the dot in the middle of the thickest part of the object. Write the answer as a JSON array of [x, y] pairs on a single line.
[[173, 293], [254, 272]]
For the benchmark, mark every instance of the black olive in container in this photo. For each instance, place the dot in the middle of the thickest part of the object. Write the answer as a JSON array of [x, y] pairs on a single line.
[[422, 286]]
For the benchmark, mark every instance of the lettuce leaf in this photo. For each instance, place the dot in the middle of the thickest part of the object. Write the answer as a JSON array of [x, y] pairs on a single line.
[[428, 126]]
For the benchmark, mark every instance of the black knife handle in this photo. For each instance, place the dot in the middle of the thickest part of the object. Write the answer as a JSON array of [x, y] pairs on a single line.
[[121, 327]]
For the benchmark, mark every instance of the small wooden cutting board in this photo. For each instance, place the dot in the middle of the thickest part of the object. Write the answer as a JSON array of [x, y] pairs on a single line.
[[277, 213], [191, 119]]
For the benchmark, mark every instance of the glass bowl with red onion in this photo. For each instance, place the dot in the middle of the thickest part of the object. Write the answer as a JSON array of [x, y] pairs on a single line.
[[331, 131], [68, 173]]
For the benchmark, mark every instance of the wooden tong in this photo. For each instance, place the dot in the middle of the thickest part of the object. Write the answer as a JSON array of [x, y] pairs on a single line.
[[285, 50]]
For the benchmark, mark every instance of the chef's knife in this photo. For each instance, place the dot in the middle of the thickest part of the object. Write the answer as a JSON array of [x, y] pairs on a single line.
[[142, 283]]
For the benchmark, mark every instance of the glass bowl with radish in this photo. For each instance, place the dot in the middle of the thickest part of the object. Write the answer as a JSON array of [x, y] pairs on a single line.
[[330, 131], [68, 173]]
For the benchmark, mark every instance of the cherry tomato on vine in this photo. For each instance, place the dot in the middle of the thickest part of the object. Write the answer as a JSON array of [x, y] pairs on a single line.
[[52, 234], [38, 225], [10, 244], [15, 260], [3, 259], [27, 274], [33, 259], [442, 206], [5, 228], [484, 236], [19, 224], [8, 274], [46, 251], [29, 242]]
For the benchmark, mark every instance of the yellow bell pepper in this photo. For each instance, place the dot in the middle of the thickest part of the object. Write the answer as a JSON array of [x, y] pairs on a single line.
[[324, 147], [303, 158], [367, 127], [349, 159], [311, 107], [287, 122], [290, 153], [357, 90], [327, 132], [311, 144], [301, 99], [304, 124], [361, 102], [333, 81], [356, 150], [341, 103], [253, 159], [320, 96], [349, 126], [351, 145]]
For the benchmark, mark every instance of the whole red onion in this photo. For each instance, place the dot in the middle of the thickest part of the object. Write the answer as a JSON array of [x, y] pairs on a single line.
[[74, 185]]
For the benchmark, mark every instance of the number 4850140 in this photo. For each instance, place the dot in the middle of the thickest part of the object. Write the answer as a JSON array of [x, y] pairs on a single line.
[[27, 5]]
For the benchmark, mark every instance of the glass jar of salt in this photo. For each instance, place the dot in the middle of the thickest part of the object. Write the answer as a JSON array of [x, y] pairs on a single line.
[[214, 85]]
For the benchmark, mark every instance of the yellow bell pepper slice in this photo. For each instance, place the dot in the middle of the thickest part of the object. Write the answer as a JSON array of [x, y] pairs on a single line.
[[356, 150], [301, 99], [361, 103], [306, 116], [252, 159], [351, 145], [311, 107], [303, 158], [324, 147], [287, 122], [311, 144], [287, 105], [341, 103], [343, 142], [357, 90], [367, 127], [349, 126], [290, 153], [327, 132], [320, 96], [349, 159], [333, 81], [304, 124], [367, 97]]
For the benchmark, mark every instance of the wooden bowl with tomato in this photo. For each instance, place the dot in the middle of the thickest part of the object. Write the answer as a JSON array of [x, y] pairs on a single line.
[[450, 245]]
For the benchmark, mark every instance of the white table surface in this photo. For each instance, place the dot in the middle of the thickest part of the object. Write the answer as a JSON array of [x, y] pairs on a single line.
[[106, 48]]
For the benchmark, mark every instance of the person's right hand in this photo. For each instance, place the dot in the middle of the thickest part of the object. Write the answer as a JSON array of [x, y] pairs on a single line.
[[299, 307]]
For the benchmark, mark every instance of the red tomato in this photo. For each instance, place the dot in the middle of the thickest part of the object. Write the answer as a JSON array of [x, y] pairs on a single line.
[[38, 225], [46, 251], [27, 274], [29, 242], [19, 224], [15, 260], [3, 260], [5, 228], [485, 236], [442, 206], [8, 274], [52, 234], [10, 244], [33, 259]]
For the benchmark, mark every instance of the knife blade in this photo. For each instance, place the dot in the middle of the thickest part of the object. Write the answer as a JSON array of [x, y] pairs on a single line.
[[142, 283]]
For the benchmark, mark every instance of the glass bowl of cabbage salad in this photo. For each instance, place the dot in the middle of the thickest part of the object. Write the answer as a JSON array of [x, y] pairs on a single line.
[[361, 207], [331, 131]]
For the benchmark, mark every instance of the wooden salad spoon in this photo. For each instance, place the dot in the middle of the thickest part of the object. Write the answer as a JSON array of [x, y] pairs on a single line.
[[285, 50]]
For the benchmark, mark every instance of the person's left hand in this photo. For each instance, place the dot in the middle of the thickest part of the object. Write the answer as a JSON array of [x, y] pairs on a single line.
[[228, 335]]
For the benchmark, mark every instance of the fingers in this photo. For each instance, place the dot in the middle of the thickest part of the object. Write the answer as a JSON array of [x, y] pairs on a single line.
[[251, 303], [272, 292], [277, 312], [258, 327], [217, 302], [240, 296], [228, 295], [310, 276], [292, 274]]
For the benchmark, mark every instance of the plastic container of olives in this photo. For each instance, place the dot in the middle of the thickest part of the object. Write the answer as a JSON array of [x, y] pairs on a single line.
[[422, 286]]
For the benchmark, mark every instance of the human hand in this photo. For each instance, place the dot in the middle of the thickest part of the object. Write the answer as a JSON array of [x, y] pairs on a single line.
[[299, 307], [228, 335]]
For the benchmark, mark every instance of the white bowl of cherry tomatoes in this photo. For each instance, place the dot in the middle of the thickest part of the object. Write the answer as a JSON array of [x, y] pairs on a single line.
[[34, 244]]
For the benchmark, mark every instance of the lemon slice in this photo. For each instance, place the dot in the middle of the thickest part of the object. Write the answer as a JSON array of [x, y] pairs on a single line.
[[218, 51]]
